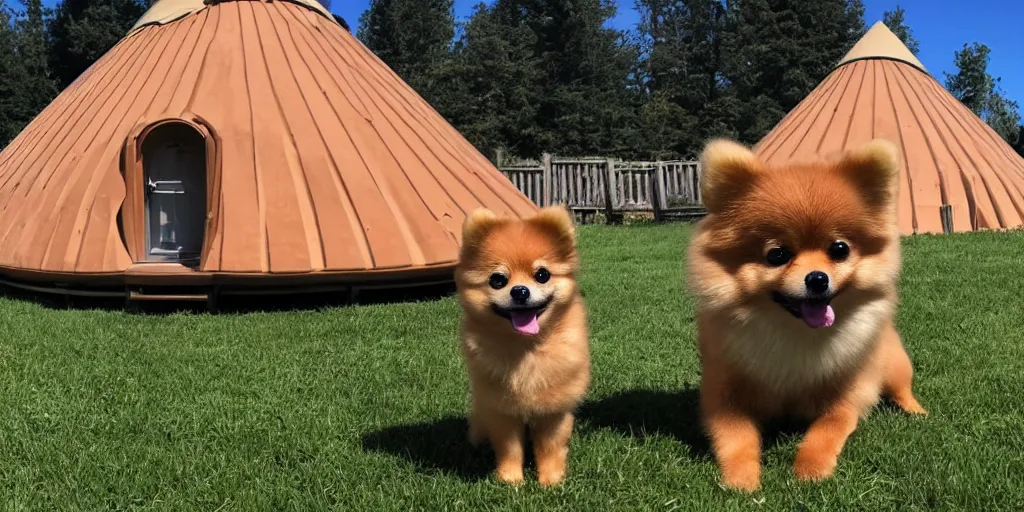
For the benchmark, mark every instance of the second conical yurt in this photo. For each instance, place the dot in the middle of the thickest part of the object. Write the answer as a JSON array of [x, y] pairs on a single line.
[[251, 143], [953, 161]]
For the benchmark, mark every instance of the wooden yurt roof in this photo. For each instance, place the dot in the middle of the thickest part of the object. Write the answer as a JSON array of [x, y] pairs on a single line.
[[879, 89], [326, 161]]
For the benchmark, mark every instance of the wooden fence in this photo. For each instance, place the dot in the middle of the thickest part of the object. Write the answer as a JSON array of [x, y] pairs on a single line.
[[668, 190]]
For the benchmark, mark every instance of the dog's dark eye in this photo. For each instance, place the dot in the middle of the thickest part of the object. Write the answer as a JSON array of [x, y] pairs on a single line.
[[498, 281], [542, 275], [778, 256], [838, 250]]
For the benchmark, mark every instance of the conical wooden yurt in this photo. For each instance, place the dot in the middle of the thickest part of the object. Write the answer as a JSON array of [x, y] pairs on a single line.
[[953, 161], [239, 145]]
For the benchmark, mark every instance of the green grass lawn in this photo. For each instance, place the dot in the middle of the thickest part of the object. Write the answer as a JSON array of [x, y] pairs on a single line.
[[363, 407]]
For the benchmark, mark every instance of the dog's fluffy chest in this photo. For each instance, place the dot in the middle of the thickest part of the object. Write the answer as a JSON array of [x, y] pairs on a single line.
[[788, 359], [535, 381]]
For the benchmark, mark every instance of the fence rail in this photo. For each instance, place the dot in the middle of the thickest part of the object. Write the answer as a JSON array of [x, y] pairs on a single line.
[[668, 189]]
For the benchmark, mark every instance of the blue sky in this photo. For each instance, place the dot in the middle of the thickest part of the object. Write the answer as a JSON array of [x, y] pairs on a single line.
[[941, 26]]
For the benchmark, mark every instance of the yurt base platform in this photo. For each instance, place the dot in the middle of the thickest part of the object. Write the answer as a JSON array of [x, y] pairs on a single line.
[[148, 286]]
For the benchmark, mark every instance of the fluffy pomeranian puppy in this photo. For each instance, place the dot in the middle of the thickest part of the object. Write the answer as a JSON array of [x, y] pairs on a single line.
[[524, 337], [795, 272]]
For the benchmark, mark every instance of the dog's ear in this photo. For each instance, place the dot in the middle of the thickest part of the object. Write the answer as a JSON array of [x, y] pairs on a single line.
[[477, 225], [728, 170], [874, 169], [557, 220]]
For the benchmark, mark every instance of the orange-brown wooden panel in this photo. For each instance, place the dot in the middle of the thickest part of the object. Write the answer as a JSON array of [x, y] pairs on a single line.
[[950, 155], [887, 126], [180, 76], [61, 188], [950, 159], [289, 221], [105, 153], [491, 189], [320, 158], [222, 98]]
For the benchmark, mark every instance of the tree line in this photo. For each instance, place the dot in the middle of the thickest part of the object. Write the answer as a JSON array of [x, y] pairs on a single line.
[[42, 51], [534, 76]]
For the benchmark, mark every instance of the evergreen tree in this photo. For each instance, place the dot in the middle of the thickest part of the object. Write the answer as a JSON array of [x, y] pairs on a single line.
[[583, 107], [897, 23], [83, 30], [413, 37], [341, 21], [494, 84], [777, 51], [534, 76], [12, 76], [979, 91], [681, 42], [26, 83]]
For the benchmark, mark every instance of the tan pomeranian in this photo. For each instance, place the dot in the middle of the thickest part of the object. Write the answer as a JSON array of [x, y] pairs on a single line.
[[524, 337], [795, 271]]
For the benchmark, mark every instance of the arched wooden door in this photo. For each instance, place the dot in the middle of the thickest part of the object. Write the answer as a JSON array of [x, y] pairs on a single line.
[[174, 177]]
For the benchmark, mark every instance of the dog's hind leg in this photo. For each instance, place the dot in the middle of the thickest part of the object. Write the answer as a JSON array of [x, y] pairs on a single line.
[[899, 373]]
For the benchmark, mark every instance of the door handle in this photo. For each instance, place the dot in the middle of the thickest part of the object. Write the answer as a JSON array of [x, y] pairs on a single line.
[[154, 185]]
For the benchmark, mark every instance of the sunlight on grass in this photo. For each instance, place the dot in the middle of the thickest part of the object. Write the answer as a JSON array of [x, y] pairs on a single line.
[[363, 407]]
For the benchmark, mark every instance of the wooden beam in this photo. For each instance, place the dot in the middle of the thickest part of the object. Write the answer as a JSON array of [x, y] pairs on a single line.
[[609, 190], [946, 214], [658, 191], [134, 295], [547, 179]]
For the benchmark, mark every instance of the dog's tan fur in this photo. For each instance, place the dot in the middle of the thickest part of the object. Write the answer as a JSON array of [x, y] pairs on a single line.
[[758, 361], [519, 380]]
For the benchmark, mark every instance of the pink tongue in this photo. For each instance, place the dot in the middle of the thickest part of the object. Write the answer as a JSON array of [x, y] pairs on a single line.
[[817, 315], [525, 322]]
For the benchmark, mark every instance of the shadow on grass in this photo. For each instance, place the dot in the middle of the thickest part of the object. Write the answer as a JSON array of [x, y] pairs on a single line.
[[676, 414], [441, 446], [437, 446], [645, 413]]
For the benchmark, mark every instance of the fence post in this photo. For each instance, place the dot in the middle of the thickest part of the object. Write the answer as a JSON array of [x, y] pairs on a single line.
[[499, 157], [946, 214], [609, 191], [547, 179], [658, 199], [696, 183]]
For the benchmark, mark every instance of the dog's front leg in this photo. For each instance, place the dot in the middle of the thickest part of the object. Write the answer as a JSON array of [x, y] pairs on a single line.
[[506, 435], [551, 434], [735, 440], [818, 453]]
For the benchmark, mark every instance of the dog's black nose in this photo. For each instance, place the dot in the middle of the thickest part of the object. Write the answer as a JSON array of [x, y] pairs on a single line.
[[520, 294], [817, 282]]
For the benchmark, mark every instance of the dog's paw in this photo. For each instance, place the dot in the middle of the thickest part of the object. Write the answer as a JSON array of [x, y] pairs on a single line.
[[511, 476], [745, 478], [551, 477], [813, 467], [916, 410], [912, 406]]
